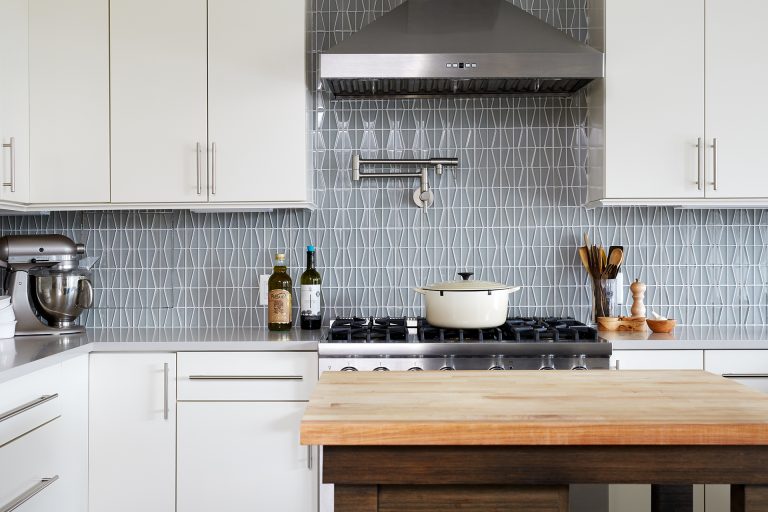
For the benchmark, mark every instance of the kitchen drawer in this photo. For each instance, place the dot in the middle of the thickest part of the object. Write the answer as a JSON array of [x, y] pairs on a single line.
[[749, 367], [29, 464], [267, 376], [658, 359], [28, 402]]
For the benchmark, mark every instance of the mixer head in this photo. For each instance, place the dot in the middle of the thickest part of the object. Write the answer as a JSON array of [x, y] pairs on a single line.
[[57, 252]]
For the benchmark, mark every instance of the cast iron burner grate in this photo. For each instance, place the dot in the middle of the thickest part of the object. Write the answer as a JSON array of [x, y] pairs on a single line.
[[368, 330]]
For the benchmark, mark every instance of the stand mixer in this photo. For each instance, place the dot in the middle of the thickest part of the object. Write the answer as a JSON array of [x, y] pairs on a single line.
[[44, 280]]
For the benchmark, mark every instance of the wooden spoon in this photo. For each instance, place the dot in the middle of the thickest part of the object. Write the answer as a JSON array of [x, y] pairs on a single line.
[[584, 255], [615, 259]]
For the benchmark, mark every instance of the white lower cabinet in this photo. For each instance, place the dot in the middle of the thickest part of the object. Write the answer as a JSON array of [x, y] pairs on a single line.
[[239, 416], [132, 432], [244, 456], [637, 498], [44, 439], [748, 367]]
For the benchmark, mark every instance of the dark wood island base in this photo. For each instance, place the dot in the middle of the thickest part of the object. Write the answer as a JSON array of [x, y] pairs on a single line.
[[532, 478]]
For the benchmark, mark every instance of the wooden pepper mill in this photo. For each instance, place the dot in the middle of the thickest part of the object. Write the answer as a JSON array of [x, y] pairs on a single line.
[[638, 294]]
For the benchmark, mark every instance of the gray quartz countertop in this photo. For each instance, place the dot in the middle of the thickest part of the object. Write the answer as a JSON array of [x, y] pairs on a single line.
[[692, 338], [23, 354]]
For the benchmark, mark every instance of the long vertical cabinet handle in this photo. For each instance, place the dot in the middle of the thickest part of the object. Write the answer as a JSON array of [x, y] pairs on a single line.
[[213, 169], [714, 163], [166, 374], [28, 495], [199, 151], [309, 457], [12, 146], [699, 165]]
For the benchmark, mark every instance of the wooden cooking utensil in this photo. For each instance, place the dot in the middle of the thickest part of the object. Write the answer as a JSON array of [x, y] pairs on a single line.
[[584, 255]]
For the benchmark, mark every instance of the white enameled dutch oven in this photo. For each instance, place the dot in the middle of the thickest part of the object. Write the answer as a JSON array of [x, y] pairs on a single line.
[[466, 304]]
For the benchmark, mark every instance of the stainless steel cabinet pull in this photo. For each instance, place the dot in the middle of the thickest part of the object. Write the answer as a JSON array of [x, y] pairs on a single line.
[[166, 373], [29, 405], [714, 163], [699, 166], [309, 457], [199, 168], [12, 146], [745, 375], [213, 169], [27, 495], [246, 377]]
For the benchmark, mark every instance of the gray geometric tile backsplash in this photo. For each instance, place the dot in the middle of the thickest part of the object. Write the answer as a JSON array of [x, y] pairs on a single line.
[[511, 212]]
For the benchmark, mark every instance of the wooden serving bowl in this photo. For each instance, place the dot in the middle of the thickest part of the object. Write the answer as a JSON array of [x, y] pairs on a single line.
[[662, 326], [621, 323]]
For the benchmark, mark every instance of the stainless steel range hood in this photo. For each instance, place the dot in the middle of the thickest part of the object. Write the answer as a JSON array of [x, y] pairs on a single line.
[[426, 48]]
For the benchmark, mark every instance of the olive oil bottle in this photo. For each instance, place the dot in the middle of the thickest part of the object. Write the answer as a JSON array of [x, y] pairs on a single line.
[[280, 300], [311, 318]]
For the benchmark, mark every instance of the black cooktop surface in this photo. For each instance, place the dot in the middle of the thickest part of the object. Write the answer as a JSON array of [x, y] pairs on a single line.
[[517, 329]]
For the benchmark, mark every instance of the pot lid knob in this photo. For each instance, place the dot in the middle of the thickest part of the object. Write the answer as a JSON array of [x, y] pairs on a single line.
[[466, 275]]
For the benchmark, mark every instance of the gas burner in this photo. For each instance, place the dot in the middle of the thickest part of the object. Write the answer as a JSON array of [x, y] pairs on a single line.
[[368, 330]]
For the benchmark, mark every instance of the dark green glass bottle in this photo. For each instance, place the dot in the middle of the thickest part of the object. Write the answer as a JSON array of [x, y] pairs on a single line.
[[311, 318], [280, 299]]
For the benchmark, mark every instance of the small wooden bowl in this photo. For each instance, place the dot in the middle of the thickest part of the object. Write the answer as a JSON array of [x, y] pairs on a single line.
[[621, 323], [662, 326]]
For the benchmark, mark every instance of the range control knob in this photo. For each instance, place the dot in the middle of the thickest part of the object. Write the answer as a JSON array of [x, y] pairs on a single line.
[[349, 369], [581, 364], [381, 369], [497, 367], [415, 369], [547, 362], [447, 368]]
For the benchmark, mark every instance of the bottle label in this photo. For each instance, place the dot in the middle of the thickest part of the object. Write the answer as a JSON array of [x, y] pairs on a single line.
[[279, 307], [310, 299]]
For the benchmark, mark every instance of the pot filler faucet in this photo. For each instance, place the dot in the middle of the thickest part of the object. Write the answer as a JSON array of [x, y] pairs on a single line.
[[422, 196]]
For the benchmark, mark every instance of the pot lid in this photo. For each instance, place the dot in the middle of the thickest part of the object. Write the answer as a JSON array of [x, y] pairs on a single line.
[[466, 285]]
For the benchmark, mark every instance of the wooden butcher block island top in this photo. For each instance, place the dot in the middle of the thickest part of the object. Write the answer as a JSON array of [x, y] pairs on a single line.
[[482, 408]]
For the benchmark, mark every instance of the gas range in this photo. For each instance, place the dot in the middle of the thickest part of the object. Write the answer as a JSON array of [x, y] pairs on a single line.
[[382, 344]]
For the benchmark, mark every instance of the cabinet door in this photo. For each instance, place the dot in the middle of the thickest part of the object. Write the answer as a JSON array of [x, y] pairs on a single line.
[[73, 448], [69, 101], [244, 456], [132, 432], [654, 97], [14, 101], [736, 43], [158, 100], [257, 100]]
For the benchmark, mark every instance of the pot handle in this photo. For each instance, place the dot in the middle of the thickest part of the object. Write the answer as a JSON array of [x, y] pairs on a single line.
[[422, 291], [513, 290]]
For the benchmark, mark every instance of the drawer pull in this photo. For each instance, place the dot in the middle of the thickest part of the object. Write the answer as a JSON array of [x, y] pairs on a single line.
[[24, 408], [23, 498], [745, 375], [246, 377]]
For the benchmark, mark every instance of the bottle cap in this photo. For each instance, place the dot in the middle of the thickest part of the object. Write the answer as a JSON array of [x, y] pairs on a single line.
[[310, 248], [279, 257]]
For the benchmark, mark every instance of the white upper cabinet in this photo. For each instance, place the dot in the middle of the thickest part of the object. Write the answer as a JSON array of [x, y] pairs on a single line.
[[158, 101], [648, 113], [14, 101], [667, 125], [69, 101], [257, 114], [736, 116]]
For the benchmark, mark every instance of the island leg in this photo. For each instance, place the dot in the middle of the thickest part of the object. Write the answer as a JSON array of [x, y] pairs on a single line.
[[671, 498], [749, 498]]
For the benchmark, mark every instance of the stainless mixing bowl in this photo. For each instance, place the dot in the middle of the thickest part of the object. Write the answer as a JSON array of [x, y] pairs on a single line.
[[60, 297]]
